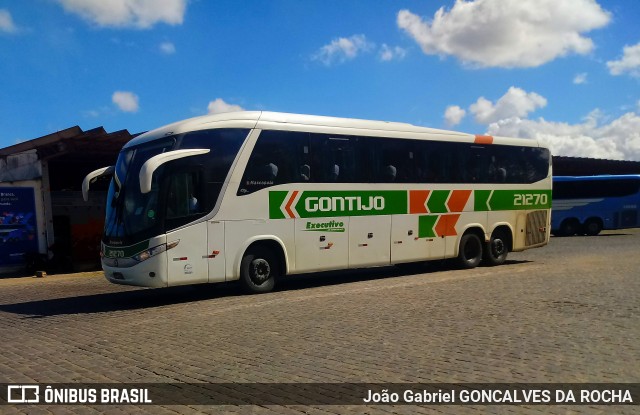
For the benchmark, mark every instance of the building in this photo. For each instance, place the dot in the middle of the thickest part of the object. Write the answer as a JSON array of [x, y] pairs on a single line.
[[42, 213]]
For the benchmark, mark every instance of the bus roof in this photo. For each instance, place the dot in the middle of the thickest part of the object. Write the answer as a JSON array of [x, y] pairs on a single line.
[[300, 122]]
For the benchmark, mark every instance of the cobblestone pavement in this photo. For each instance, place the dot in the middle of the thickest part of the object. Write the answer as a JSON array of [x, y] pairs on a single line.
[[568, 312]]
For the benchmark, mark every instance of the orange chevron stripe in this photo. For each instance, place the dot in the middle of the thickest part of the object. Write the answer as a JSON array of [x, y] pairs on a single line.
[[483, 139], [446, 225], [287, 207], [458, 200], [417, 200]]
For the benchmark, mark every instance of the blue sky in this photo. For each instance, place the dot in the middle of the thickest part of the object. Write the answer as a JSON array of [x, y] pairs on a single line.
[[564, 71]]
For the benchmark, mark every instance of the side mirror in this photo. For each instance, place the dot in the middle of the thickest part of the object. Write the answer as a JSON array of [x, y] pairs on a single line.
[[104, 171], [151, 165]]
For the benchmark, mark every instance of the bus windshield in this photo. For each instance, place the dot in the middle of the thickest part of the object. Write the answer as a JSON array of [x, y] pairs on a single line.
[[181, 191], [130, 212]]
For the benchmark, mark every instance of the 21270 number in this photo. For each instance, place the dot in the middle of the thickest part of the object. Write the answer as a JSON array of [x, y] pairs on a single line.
[[530, 199]]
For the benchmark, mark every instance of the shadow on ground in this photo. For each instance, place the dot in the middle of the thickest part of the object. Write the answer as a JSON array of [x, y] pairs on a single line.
[[149, 298]]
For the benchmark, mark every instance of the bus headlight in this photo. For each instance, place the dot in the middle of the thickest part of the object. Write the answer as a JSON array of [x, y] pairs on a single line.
[[146, 254]]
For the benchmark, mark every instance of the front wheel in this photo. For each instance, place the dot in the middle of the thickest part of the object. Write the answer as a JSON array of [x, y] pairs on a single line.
[[569, 227], [496, 250], [258, 271], [470, 252]]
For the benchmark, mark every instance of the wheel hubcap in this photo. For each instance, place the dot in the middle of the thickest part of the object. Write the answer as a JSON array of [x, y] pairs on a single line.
[[498, 247], [261, 271]]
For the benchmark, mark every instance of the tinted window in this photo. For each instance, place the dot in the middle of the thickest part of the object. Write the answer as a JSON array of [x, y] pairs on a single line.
[[185, 198], [224, 145], [520, 164], [290, 157], [279, 157], [215, 165], [393, 160], [338, 159]]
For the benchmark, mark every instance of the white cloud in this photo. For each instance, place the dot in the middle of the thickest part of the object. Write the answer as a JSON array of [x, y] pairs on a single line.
[[453, 115], [126, 101], [388, 53], [141, 14], [342, 49], [514, 103], [218, 106], [580, 78], [619, 139], [6, 22], [507, 33], [167, 48], [630, 62]]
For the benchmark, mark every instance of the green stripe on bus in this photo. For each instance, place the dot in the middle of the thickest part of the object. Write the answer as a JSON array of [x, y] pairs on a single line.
[[437, 201], [275, 201], [486, 200], [425, 226], [319, 204]]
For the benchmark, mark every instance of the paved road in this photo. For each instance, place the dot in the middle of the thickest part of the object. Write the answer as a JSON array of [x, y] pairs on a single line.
[[568, 312]]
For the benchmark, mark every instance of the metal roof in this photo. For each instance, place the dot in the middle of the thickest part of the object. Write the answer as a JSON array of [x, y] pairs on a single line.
[[72, 140], [583, 166]]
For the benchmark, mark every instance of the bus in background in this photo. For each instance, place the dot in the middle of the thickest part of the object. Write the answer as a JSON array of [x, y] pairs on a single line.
[[251, 196], [589, 204]]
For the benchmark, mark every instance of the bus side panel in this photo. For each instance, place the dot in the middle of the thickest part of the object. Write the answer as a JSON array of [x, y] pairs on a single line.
[[239, 235], [406, 242], [216, 253], [520, 236], [369, 238], [630, 213], [187, 263], [322, 244]]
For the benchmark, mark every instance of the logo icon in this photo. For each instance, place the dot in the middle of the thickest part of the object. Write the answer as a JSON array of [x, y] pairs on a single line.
[[23, 394]]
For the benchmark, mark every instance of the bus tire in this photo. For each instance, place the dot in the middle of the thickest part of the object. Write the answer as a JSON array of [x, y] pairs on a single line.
[[569, 227], [592, 226], [258, 270], [497, 249], [470, 251]]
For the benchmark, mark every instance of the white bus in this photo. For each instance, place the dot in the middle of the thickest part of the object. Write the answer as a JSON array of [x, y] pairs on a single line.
[[251, 196]]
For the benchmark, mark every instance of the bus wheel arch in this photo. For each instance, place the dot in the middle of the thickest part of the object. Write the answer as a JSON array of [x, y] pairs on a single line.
[[261, 263], [498, 247], [470, 248], [592, 226]]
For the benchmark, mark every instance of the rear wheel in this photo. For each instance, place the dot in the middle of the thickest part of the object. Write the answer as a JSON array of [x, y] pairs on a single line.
[[470, 252], [592, 226], [569, 227], [258, 270], [496, 250]]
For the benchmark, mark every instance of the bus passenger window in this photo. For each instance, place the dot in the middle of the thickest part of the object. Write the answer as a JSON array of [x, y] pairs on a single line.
[[184, 197], [390, 173], [333, 158], [305, 173], [279, 157]]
